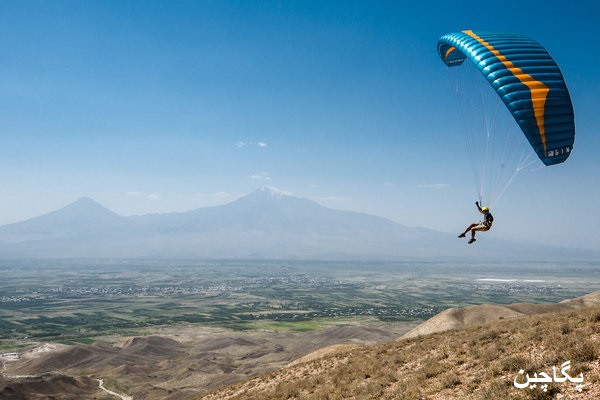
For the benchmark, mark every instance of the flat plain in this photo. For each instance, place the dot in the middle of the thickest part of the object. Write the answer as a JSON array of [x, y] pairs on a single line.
[[76, 302]]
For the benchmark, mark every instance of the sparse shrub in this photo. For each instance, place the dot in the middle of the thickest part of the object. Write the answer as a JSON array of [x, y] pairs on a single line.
[[586, 351], [449, 380], [536, 332], [409, 389], [493, 390], [579, 347], [493, 368], [399, 358], [487, 353], [513, 363], [431, 368], [488, 335], [538, 394], [594, 316], [566, 328]]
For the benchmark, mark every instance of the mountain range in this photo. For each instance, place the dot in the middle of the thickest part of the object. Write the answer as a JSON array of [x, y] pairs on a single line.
[[265, 224]]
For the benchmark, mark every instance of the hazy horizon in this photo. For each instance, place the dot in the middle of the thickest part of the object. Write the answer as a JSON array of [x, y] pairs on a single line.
[[266, 224]]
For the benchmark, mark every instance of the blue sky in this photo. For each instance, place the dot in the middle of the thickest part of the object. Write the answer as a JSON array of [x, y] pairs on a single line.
[[160, 106]]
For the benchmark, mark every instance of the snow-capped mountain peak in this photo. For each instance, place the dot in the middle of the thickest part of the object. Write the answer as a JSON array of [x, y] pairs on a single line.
[[274, 192]]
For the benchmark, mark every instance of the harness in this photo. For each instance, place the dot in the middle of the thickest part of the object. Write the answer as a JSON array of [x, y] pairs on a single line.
[[488, 220]]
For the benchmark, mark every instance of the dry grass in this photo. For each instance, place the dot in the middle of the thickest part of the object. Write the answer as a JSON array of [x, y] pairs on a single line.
[[471, 363]]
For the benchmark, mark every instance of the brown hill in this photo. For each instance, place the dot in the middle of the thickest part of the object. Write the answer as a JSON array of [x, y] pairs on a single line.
[[136, 351], [454, 318], [55, 387], [467, 362], [180, 364]]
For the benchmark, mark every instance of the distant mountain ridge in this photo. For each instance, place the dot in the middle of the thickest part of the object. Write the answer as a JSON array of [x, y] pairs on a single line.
[[267, 223], [82, 215]]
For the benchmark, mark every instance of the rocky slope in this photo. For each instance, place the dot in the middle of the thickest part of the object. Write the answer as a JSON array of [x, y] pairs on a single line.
[[473, 353]]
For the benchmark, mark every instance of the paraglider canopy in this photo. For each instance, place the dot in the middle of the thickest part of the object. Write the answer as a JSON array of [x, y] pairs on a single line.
[[527, 80]]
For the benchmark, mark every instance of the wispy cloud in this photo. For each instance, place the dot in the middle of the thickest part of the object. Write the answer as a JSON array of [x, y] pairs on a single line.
[[435, 186], [242, 144], [261, 176], [147, 196]]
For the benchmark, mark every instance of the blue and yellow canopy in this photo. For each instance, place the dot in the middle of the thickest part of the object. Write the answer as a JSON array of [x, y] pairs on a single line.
[[527, 80]]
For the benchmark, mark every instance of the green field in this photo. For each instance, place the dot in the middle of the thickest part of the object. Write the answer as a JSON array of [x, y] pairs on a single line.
[[78, 301]]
